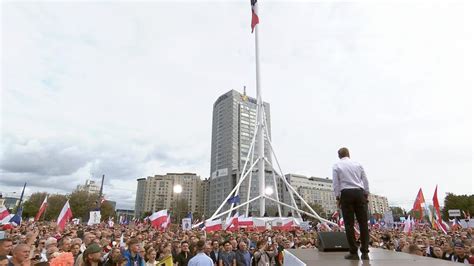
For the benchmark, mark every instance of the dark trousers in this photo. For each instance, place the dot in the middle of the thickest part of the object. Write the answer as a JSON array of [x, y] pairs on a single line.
[[353, 202]]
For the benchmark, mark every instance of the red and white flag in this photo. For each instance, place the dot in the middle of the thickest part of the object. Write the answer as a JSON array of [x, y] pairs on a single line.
[[3, 213], [232, 223], [419, 204], [167, 223], [42, 208], [439, 221], [158, 218], [64, 216], [255, 19], [5, 218], [341, 223], [287, 225], [245, 221], [214, 225]]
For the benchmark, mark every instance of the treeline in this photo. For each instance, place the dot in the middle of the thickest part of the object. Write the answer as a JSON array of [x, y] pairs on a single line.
[[81, 203]]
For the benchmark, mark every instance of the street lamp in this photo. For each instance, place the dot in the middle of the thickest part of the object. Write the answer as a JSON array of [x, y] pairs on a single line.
[[177, 189], [269, 191]]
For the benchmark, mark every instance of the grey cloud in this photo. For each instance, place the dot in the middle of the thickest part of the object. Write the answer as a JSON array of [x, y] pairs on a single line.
[[51, 157], [39, 182]]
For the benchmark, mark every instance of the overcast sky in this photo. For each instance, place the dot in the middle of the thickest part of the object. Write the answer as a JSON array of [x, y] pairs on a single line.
[[126, 89]]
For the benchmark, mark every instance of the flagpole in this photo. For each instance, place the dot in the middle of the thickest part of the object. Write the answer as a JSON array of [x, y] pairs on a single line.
[[21, 197], [45, 209], [260, 136]]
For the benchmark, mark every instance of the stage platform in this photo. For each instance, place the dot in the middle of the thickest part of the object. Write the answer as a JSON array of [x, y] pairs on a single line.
[[377, 257]]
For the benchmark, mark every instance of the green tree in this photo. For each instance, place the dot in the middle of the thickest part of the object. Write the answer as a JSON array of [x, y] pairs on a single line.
[[415, 214], [317, 208], [82, 203], [32, 205], [107, 210], [180, 209], [146, 214], [55, 204], [460, 202]]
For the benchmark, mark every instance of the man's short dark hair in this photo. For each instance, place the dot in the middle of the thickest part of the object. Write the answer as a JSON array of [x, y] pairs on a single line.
[[200, 245], [225, 242], [343, 152], [5, 240], [133, 241]]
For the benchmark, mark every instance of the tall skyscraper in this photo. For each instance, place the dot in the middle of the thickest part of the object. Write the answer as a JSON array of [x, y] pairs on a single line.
[[233, 125], [140, 197]]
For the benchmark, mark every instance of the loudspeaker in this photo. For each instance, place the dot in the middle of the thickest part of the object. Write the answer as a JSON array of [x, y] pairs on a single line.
[[332, 241]]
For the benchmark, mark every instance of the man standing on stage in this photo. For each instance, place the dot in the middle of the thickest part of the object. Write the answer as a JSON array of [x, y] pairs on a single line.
[[352, 190]]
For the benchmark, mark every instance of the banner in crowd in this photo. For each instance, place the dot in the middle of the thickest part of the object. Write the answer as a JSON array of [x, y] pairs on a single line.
[[94, 218], [388, 219], [186, 224]]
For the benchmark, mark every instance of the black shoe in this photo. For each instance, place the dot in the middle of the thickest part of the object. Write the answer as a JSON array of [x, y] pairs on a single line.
[[365, 256], [351, 257]]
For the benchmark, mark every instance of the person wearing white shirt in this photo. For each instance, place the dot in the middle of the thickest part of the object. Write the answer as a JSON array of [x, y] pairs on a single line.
[[351, 189], [201, 259]]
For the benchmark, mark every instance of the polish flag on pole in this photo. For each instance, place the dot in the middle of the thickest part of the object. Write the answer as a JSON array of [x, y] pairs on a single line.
[[214, 225], [439, 220], [232, 223], [255, 19], [42, 208], [419, 203], [158, 218], [64, 216]]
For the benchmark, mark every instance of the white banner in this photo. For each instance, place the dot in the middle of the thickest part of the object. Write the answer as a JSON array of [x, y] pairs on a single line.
[[454, 213], [94, 218], [186, 223]]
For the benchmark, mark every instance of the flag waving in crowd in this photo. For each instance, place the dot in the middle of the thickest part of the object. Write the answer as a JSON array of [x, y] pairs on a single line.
[[64, 216], [42, 208]]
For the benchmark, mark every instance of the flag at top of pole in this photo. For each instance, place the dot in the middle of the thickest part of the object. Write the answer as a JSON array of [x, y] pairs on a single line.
[[255, 20]]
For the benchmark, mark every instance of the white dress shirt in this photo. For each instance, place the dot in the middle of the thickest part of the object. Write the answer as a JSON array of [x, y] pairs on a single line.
[[348, 174], [201, 259]]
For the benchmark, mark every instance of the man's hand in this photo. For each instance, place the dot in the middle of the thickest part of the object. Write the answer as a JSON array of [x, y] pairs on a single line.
[[338, 203], [366, 195]]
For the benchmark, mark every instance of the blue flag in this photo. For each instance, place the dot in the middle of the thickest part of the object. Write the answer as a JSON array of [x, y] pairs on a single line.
[[17, 217], [235, 199], [190, 215]]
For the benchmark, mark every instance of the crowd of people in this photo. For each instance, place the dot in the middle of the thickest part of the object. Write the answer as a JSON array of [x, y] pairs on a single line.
[[142, 245]]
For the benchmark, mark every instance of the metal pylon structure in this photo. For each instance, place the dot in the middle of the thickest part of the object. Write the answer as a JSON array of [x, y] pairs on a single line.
[[255, 161]]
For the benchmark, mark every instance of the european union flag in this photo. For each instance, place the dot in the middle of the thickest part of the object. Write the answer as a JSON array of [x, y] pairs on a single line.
[[235, 199]]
